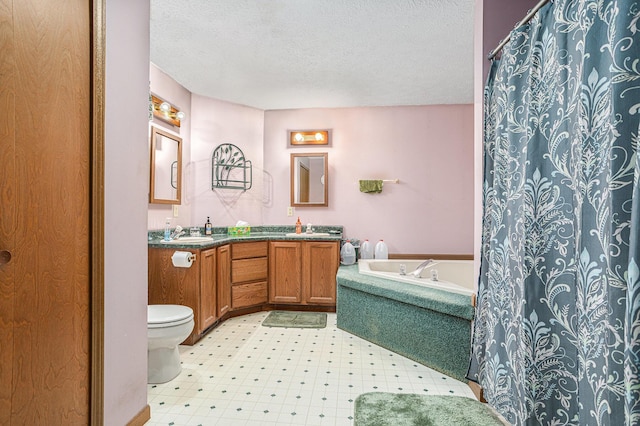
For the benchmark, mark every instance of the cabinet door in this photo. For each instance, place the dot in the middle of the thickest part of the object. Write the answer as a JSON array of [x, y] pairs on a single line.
[[224, 279], [320, 265], [285, 272], [177, 286], [208, 311]]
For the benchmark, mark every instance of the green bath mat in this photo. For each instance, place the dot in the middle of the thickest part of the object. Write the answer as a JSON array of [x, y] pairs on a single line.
[[393, 409], [296, 319]]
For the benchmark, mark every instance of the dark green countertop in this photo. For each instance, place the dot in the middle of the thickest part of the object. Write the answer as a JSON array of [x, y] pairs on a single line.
[[261, 233]]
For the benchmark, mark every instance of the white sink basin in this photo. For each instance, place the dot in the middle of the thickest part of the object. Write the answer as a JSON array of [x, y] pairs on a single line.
[[189, 240], [304, 234]]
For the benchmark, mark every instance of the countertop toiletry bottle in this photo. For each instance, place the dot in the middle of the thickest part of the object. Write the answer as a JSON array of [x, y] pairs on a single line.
[[348, 254], [382, 252], [298, 226], [366, 250], [309, 229], [207, 227], [167, 229]]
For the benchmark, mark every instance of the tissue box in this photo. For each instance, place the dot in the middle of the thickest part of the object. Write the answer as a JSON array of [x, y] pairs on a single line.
[[239, 230]]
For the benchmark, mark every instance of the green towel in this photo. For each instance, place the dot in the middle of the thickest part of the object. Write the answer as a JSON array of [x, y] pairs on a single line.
[[371, 186]]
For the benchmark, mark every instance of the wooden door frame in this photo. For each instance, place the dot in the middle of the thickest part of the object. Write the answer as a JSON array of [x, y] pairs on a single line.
[[98, 51]]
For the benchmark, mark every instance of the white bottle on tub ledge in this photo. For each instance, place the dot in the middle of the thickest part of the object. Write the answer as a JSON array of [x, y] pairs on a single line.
[[366, 250], [348, 254], [381, 252]]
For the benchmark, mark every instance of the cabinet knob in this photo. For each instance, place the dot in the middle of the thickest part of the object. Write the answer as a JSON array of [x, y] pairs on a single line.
[[5, 257]]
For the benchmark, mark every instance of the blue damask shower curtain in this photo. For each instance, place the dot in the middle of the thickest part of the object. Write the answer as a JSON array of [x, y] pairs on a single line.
[[557, 328]]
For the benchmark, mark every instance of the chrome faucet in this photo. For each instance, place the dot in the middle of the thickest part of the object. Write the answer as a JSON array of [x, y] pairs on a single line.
[[177, 233], [421, 268]]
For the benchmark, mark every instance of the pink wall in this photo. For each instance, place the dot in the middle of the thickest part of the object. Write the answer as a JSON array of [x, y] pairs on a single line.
[[429, 148], [169, 90], [125, 215], [213, 123], [499, 17], [494, 19]]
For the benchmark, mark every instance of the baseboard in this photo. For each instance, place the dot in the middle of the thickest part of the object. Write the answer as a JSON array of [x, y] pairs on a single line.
[[141, 418], [477, 391]]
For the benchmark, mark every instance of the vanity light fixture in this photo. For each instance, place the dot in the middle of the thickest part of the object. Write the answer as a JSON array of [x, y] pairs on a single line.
[[164, 111], [309, 137]]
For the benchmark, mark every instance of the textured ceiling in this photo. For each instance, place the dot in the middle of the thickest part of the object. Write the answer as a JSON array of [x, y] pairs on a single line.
[[282, 54]]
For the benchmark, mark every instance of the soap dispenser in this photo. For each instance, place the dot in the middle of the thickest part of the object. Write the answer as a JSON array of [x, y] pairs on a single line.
[[207, 227], [167, 229], [298, 226]]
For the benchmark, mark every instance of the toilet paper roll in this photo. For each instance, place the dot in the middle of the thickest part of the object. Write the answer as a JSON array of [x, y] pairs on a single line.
[[182, 259]]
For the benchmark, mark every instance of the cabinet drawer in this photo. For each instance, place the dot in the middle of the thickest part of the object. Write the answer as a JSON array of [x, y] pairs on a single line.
[[243, 295], [248, 250], [248, 270]]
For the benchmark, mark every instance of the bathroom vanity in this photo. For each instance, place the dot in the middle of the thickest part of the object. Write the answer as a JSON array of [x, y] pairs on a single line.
[[237, 275], [303, 272]]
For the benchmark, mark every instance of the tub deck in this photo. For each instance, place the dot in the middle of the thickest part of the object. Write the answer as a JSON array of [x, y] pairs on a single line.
[[430, 326]]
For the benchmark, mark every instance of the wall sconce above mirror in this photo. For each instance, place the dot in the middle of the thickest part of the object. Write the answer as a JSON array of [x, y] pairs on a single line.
[[166, 112], [308, 137], [166, 168], [309, 180]]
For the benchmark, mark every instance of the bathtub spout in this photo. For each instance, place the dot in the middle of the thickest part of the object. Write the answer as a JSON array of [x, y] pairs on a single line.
[[421, 268]]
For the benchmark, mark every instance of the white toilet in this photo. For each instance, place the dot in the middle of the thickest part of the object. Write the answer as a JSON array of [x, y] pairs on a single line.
[[168, 326]]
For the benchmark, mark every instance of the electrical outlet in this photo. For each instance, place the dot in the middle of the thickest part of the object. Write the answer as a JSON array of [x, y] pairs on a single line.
[[289, 211], [175, 211]]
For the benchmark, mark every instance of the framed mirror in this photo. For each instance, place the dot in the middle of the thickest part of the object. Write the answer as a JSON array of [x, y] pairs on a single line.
[[309, 180], [166, 167]]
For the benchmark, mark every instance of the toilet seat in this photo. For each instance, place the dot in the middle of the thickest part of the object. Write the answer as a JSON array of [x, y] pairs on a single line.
[[162, 316]]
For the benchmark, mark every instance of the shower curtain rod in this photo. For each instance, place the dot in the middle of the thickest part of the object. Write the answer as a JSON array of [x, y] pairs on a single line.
[[526, 19]]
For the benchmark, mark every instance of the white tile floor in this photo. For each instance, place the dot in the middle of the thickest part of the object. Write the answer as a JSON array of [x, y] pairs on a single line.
[[242, 373]]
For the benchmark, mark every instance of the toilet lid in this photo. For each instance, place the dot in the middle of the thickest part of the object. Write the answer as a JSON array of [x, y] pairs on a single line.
[[164, 314]]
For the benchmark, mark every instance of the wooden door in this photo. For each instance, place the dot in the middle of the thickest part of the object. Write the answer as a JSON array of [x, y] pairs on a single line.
[[208, 292], [45, 181], [285, 272], [319, 267], [224, 279]]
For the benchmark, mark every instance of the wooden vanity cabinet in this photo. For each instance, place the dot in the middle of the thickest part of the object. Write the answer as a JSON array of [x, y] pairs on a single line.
[[179, 286], [208, 289], [249, 266], [285, 272], [303, 272], [224, 279], [242, 275], [320, 262]]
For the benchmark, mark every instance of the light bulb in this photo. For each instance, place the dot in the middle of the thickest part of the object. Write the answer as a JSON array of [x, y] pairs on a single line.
[[299, 137], [319, 136], [165, 107], [180, 115]]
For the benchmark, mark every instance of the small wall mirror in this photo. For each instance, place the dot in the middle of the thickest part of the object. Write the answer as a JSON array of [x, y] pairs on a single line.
[[309, 180], [166, 167]]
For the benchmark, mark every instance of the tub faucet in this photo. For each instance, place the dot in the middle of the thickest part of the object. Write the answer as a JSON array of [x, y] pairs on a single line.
[[421, 268]]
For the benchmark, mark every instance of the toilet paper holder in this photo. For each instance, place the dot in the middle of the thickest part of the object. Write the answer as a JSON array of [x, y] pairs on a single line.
[[183, 259]]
